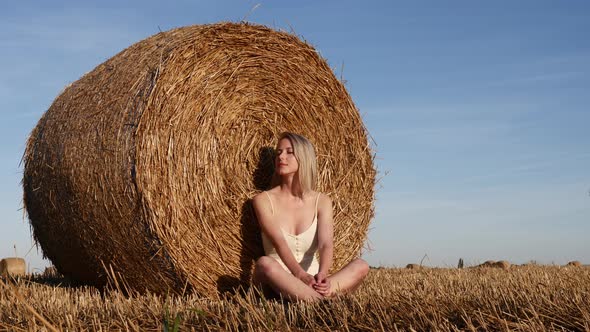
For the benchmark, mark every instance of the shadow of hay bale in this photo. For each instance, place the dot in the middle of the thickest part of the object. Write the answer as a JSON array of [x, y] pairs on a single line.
[[250, 231], [51, 272]]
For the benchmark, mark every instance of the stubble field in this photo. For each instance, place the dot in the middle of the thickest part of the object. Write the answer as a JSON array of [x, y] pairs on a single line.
[[529, 298]]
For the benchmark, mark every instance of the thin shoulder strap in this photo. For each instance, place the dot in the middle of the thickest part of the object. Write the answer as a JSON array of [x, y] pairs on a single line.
[[316, 205], [271, 206]]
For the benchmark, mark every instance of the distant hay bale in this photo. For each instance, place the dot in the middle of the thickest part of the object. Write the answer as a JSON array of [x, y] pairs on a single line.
[[574, 263], [502, 265], [499, 264], [487, 264], [413, 266], [147, 163], [13, 266]]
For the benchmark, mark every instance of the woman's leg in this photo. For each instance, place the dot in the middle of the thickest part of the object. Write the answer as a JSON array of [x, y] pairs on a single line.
[[268, 271], [349, 277]]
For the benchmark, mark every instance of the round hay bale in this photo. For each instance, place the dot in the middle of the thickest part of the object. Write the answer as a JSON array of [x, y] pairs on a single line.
[[13, 266], [146, 165], [413, 266], [489, 263], [502, 265], [574, 263]]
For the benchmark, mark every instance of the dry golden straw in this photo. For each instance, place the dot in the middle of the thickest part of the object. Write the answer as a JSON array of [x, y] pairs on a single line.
[[532, 298], [147, 163]]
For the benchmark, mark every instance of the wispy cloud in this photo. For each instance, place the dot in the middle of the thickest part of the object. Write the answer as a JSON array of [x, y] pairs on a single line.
[[542, 69], [71, 30], [518, 200], [539, 78], [576, 59], [548, 163], [487, 107], [44, 50], [452, 133]]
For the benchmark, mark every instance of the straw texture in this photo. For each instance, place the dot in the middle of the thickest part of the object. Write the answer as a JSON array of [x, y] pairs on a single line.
[[146, 165]]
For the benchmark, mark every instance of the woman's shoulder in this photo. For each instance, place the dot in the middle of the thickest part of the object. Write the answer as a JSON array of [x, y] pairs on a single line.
[[261, 203], [315, 193], [265, 194], [268, 194], [325, 198], [264, 197], [260, 196], [322, 198]]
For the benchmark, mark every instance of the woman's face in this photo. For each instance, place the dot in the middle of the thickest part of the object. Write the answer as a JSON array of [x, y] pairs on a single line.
[[285, 162]]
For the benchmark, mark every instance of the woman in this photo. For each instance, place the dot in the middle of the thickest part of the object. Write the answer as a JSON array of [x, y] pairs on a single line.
[[296, 222]]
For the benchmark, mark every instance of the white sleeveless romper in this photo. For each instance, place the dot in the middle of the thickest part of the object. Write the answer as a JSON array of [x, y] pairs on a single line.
[[303, 246]]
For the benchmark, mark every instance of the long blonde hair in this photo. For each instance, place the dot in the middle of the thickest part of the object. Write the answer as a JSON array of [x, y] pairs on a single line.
[[305, 155]]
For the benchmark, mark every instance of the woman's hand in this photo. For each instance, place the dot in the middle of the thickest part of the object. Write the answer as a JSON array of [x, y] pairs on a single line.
[[307, 279], [322, 284]]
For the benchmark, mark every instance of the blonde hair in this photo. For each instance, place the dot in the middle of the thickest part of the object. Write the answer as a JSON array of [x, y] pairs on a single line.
[[305, 155]]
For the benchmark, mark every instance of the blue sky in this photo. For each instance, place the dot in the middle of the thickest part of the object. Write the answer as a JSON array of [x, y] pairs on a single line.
[[478, 110]]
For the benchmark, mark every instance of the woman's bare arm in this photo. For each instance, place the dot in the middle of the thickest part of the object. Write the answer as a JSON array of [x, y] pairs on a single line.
[[325, 234]]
